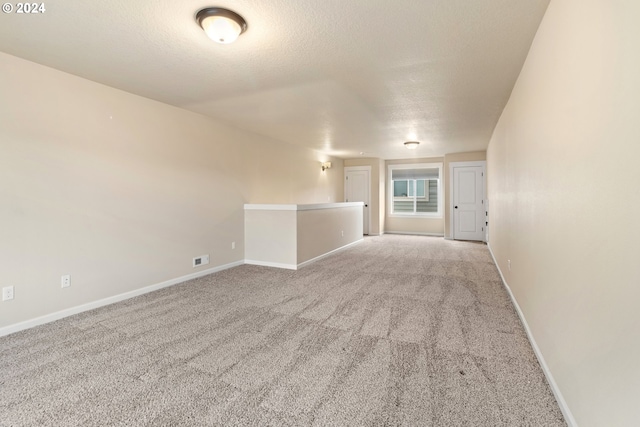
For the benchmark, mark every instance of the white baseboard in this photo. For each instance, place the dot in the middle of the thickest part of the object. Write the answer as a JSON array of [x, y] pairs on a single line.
[[415, 233], [302, 264], [16, 327], [270, 264], [6, 330], [568, 416], [329, 253]]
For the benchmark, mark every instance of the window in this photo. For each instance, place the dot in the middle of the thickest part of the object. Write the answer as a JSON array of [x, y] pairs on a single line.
[[409, 187], [416, 190]]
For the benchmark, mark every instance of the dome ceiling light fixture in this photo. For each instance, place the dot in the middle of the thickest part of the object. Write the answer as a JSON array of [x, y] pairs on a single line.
[[411, 145], [221, 25]]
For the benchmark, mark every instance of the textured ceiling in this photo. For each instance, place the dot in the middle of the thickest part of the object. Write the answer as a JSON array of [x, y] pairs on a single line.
[[339, 76]]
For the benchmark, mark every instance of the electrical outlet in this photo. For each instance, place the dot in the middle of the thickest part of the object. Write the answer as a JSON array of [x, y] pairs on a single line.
[[342, 233], [200, 260], [7, 293], [509, 264], [65, 281], [233, 245]]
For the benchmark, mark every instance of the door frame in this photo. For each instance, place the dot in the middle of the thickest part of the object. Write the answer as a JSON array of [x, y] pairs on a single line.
[[368, 170], [453, 165]]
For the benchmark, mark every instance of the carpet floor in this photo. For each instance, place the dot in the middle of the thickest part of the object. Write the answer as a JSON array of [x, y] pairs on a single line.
[[395, 331]]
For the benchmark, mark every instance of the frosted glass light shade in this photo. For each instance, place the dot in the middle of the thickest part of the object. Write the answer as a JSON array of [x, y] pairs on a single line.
[[411, 145], [220, 29], [221, 25]]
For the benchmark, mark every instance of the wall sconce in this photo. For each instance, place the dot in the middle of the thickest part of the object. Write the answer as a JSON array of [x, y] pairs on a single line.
[[325, 166]]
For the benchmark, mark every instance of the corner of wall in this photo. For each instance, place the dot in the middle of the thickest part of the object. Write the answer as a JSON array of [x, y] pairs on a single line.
[[571, 422]]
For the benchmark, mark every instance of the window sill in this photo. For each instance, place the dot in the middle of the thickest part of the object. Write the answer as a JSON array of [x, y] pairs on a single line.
[[421, 216]]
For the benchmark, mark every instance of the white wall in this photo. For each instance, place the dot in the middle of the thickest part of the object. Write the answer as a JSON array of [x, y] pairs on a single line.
[[121, 192], [563, 190]]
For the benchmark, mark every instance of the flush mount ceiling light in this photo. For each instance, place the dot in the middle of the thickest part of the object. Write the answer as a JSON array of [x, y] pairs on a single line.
[[221, 25], [411, 145]]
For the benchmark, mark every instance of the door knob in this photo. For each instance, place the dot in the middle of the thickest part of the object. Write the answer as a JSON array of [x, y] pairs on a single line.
[[455, 207]]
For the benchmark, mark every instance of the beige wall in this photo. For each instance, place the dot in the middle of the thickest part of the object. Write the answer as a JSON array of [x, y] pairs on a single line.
[[448, 159], [377, 204], [434, 226], [409, 225], [271, 238], [324, 230], [121, 192], [287, 236], [565, 150]]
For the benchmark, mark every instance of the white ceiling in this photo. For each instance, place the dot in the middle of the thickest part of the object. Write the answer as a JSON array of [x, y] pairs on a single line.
[[339, 76]]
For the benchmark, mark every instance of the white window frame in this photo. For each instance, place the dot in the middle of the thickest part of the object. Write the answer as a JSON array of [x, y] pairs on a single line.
[[391, 168], [409, 188]]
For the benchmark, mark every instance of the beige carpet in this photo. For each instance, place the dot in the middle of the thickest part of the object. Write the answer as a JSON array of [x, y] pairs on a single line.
[[398, 330]]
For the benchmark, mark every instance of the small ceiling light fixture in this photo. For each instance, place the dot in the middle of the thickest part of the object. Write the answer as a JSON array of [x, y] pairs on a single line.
[[326, 165], [221, 25], [411, 145]]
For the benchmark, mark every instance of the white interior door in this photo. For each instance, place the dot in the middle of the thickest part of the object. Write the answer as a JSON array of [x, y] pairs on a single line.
[[356, 189], [468, 203]]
